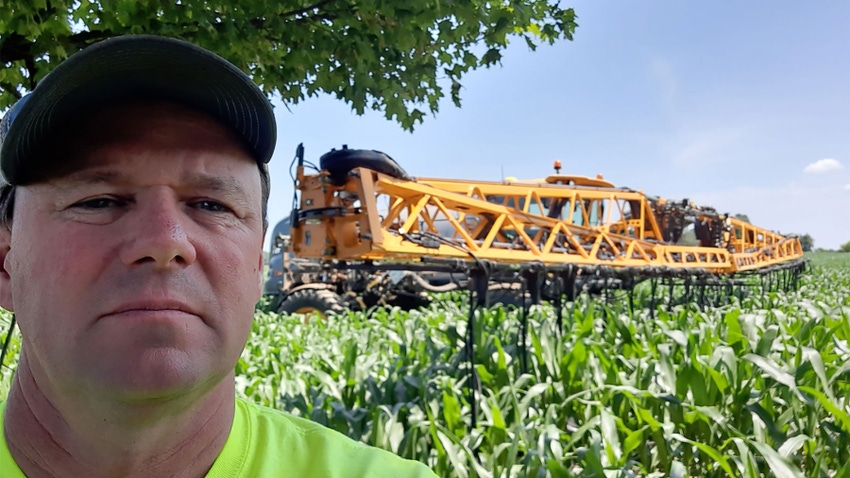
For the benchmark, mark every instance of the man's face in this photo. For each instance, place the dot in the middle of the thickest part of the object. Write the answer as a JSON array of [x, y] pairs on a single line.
[[136, 274]]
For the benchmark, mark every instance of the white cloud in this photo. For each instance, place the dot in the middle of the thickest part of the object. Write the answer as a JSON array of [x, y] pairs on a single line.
[[823, 166], [847, 187]]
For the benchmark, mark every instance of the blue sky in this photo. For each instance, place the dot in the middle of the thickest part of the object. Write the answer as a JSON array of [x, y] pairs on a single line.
[[744, 106]]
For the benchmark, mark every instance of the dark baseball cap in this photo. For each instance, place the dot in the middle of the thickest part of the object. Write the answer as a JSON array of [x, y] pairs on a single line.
[[133, 67]]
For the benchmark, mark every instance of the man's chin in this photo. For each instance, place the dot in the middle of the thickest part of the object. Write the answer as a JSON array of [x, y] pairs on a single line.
[[161, 376]]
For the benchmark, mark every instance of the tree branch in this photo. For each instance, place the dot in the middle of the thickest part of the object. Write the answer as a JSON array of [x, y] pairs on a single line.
[[32, 70], [85, 38], [14, 48], [259, 23], [315, 6]]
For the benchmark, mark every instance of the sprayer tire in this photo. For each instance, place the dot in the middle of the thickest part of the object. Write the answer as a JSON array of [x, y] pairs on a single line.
[[340, 162], [312, 301]]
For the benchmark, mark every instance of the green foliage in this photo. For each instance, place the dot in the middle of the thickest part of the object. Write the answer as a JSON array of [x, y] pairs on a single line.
[[10, 361], [756, 388], [807, 242], [742, 217], [845, 247], [688, 238], [398, 57], [829, 259]]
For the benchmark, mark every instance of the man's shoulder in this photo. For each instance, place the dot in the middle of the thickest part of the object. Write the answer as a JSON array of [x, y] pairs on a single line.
[[8, 467], [285, 441]]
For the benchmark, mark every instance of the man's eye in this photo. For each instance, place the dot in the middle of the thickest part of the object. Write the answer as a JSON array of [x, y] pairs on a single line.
[[100, 203], [212, 206]]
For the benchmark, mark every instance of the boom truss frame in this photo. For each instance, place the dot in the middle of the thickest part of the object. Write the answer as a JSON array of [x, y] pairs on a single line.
[[377, 217]]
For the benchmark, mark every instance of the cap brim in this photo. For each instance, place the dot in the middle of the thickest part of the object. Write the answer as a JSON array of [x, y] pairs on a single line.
[[137, 66]]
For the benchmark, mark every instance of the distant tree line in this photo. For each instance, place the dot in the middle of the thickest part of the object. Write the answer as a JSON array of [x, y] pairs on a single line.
[[807, 242]]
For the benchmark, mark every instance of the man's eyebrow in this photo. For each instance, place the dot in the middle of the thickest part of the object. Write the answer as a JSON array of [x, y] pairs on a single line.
[[226, 184], [220, 184]]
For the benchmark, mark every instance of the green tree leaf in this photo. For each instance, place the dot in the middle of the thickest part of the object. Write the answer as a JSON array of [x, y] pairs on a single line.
[[395, 57]]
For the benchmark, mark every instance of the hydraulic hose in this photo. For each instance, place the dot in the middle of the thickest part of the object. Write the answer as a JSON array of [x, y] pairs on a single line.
[[428, 286]]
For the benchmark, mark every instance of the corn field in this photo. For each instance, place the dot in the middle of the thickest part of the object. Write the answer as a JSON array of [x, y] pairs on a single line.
[[756, 387]]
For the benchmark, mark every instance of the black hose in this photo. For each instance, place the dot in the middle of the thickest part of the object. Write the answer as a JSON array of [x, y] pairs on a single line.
[[428, 286], [523, 330], [7, 341]]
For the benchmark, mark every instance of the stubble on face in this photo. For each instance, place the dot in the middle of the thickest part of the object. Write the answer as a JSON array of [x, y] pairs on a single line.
[[134, 273]]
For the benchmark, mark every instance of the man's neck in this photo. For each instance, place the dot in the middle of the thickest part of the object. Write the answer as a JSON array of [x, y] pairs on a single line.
[[47, 438]]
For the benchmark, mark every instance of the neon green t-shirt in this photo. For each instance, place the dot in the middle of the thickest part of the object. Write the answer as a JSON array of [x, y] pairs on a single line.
[[266, 443]]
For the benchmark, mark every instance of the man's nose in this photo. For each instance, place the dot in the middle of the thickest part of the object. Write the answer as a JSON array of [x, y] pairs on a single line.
[[157, 232]]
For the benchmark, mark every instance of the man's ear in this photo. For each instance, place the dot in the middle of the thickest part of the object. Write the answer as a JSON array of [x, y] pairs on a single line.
[[5, 278]]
